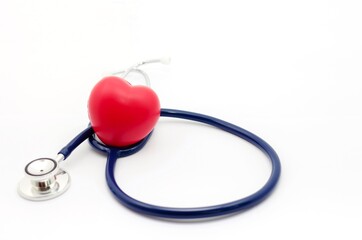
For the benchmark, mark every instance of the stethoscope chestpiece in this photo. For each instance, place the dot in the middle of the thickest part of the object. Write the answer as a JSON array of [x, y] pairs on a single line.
[[43, 180]]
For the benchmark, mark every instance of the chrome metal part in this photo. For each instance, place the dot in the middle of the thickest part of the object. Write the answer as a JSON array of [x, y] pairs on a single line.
[[43, 180]]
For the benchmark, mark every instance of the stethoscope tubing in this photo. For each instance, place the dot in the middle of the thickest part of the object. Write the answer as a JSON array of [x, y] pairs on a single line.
[[113, 153], [199, 212]]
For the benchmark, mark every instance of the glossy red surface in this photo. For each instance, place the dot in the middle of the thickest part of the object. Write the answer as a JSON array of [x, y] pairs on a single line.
[[122, 114]]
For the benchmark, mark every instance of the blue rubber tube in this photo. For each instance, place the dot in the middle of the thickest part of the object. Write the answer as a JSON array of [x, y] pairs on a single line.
[[199, 212], [67, 150]]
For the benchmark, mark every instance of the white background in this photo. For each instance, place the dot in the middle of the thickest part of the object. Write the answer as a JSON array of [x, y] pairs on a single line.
[[289, 71]]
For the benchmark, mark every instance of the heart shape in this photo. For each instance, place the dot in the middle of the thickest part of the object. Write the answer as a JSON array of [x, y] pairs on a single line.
[[122, 114]]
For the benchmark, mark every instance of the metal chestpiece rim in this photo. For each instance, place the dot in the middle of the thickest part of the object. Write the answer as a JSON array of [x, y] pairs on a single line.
[[43, 180]]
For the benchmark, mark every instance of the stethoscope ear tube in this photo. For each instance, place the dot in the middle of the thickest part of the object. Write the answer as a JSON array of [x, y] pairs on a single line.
[[200, 212]]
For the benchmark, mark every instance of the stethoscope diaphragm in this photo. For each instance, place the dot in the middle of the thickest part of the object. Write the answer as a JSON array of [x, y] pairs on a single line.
[[43, 180]]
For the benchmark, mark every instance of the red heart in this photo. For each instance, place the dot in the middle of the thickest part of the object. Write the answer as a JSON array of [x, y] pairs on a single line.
[[122, 114]]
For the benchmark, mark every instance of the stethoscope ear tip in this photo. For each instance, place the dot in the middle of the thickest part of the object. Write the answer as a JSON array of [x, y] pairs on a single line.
[[43, 180]]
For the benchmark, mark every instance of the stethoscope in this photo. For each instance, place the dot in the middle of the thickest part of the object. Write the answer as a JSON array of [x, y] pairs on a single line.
[[44, 179]]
